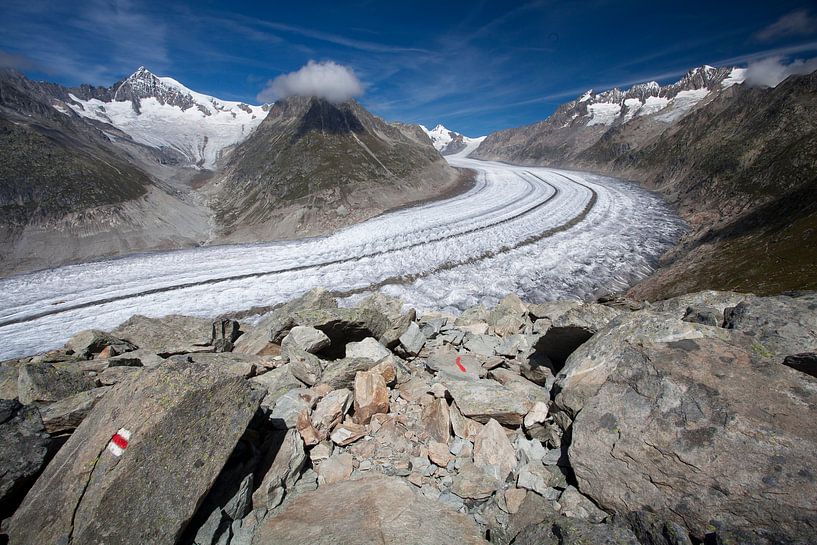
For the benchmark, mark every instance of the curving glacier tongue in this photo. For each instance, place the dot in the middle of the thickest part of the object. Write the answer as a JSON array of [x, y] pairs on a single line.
[[539, 232]]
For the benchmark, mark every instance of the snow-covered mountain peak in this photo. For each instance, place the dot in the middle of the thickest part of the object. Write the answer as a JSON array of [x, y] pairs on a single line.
[[160, 112], [447, 141]]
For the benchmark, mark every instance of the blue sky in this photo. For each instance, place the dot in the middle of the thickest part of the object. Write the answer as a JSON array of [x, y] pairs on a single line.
[[474, 66]]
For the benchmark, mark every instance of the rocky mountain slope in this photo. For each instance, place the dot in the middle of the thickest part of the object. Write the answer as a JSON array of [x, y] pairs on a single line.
[[313, 165], [737, 164], [69, 193], [560, 423], [449, 142], [143, 165]]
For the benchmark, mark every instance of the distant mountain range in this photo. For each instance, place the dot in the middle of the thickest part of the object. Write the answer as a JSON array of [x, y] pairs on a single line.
[[449, 142], [149, 164], [738, 162]]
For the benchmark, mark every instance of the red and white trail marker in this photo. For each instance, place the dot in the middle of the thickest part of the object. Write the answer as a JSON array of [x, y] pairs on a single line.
[[119, 442]]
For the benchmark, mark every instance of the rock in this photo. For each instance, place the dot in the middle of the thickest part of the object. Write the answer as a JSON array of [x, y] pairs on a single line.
[[573, 504], [652, 530], [304, 366], [336, 468], [289, 406], [45, 382], [307, 339], [8, 382], [321, 452], [347, 433], [590, 365], [514, 498], [184, 421], [284, 459], [330, 411], [529, 450], [533, 510], [718, 301], [462, 426], [449, 364], [344, 325], [436, 420], [138, 358], [276, 326], [572, 329], [782, 325], [522, 386], [413, 340], [552, 310], [374, 509], [537, 415], [24, 447], [391, 308], [87, 344], [276, 382], [341, 373], [115, 375], [472, 315], [413, 389], [471, 482], [703, 315], [371, 396], [439, 454], [537, 478], [484, 345], [223, 335], [169, 335], [240, 504], [493, 452], [387, 370], [368, 348], [485, 399], [805, 363], [66, 414], [557, 530], [702, 431]]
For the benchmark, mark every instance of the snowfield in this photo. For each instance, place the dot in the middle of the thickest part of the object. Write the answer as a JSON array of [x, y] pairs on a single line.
[[543, 233]]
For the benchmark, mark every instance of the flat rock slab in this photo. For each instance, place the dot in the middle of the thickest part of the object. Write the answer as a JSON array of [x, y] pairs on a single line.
[[375, 509], [23, 450], [169, 335], [484, 399], [184, 421]]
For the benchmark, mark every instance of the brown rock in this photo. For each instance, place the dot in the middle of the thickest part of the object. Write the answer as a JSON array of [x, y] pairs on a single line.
[[436, 420], [371, 396], [439, 454], [330, 411], [336, 468], [514, 498], [347, 433], [493, 452]]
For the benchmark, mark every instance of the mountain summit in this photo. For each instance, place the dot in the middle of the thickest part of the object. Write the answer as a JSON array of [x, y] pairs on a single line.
[[449, 142], [339, 159]]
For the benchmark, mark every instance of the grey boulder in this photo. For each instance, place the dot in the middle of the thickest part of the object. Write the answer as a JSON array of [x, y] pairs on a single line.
[[183, 423]]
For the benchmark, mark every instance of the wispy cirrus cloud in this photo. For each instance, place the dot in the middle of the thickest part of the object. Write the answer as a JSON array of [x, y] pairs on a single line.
[[797, 23]]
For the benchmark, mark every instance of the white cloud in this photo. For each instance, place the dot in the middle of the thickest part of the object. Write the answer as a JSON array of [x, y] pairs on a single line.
[[796, 23], [329, 80], [769, 72]]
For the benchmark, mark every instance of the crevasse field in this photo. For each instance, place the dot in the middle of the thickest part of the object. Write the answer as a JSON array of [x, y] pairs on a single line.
[[544, 233]]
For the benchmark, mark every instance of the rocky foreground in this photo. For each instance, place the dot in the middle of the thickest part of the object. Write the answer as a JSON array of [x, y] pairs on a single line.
[[687, 420]]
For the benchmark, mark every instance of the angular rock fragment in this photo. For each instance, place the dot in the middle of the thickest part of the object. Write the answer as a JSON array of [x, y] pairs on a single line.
[[371, 396], [47, 382]]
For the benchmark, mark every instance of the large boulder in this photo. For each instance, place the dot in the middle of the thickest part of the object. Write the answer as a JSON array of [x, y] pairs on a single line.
[[23, 450], [705, 431], [47, 382], [571, 329], [89, 343], [783, 325], [590, 365], [275, 327], [375, 509], [485, 399], [140, 463], [168, 335]]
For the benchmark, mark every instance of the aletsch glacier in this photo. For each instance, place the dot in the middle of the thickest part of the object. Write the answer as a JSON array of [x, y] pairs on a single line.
[[543, 233]]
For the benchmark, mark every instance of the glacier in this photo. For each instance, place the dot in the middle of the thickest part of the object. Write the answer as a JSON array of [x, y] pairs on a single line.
[[543, 233]]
